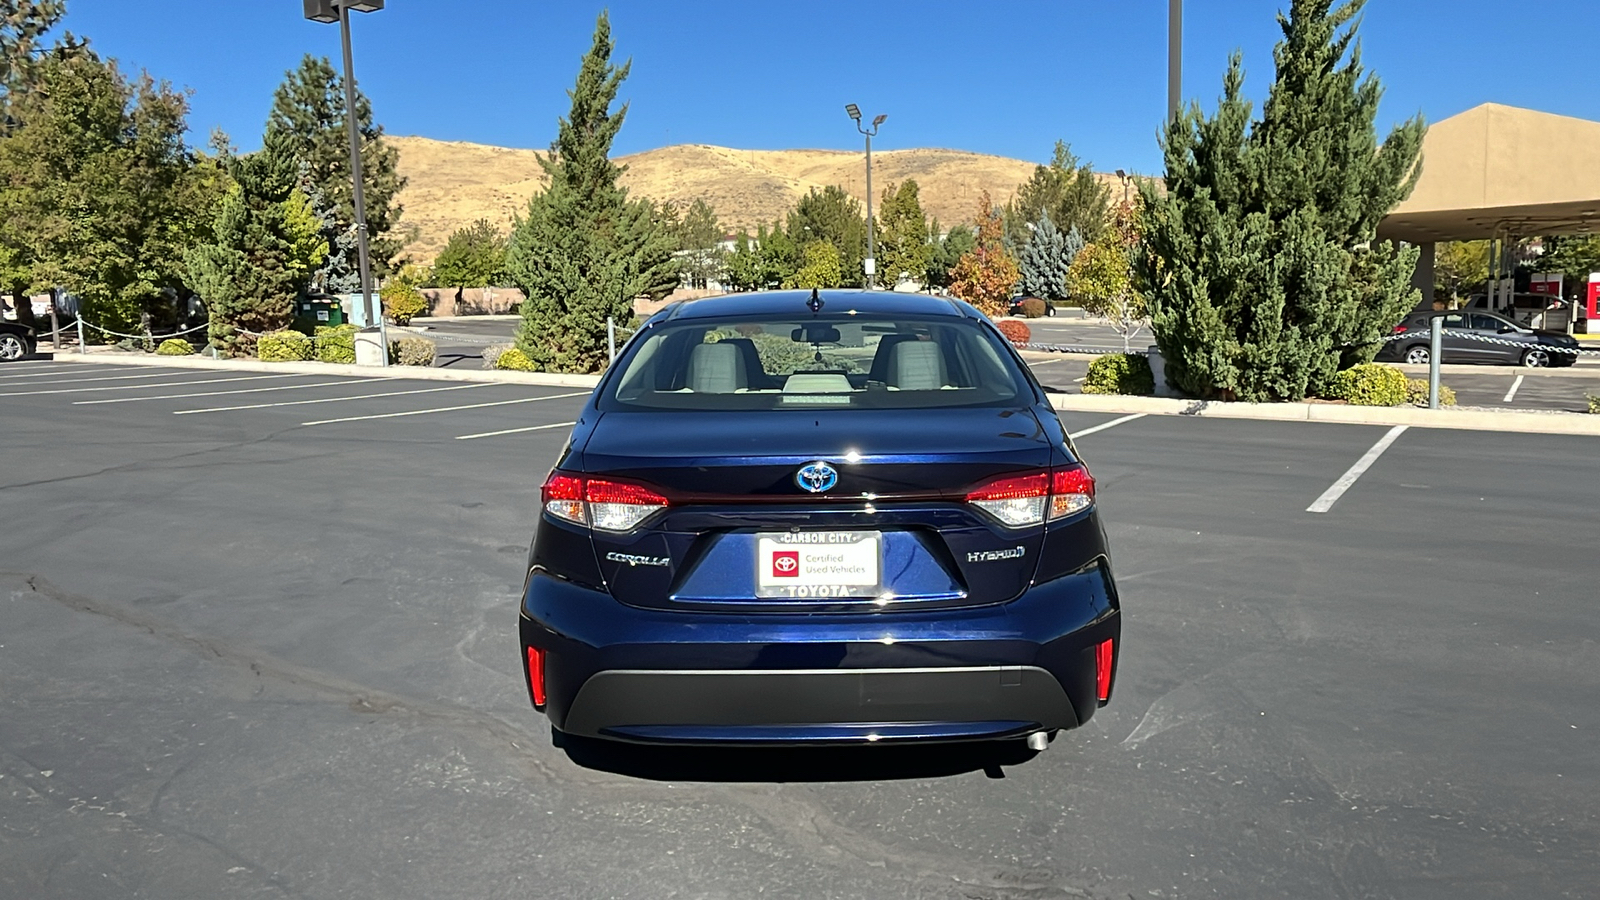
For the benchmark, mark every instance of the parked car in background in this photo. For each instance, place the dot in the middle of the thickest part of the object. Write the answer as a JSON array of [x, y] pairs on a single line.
[[16, 341], [1479, 337], [1017, 309]]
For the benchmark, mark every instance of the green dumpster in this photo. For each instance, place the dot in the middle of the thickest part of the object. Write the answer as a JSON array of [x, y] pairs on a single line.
[[316, 311]]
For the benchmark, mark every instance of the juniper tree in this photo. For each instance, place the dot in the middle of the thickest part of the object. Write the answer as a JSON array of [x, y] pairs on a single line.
[[584, 250], [308, 112], [902, 235], [834, 216], [1259, 260], [1046, 259]]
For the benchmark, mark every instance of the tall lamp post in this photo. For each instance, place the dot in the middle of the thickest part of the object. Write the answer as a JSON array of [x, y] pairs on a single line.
[[1174, 58], [328, 12], [869, 264]]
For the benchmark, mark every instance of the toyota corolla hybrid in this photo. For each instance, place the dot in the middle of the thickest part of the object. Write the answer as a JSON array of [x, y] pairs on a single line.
[[819, 518]]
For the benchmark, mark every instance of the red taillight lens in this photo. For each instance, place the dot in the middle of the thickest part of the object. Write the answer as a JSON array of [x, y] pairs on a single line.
[[1401, 329], [536, 676], [1071, 491], [1104, 655], [1016, 500], [599, 503]]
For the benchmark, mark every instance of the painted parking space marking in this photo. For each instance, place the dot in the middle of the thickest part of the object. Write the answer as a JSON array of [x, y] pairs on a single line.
[[141, 387], [1511, 394], [100, 378], [1332, 494], [58, 369], [470, 437], [278, 387], [1104, 425], [217, 409], [443, 409]]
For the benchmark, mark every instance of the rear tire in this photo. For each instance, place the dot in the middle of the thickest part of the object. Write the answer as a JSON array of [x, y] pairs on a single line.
[[11, 347], [1050, 310], [1418, 355], [1536, 359]]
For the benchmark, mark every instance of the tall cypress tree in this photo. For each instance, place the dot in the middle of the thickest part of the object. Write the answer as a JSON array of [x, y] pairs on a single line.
[[249, 273], [584, 250], [1260, 261], [308, 115], [902, 234]]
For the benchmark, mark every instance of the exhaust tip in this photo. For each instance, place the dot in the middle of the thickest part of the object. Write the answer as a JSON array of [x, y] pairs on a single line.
[[1038, 741]]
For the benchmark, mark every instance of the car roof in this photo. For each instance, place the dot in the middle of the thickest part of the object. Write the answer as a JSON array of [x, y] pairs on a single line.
[[763, 303]]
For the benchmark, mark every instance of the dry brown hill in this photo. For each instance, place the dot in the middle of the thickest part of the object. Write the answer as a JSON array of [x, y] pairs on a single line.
[[454, 184]]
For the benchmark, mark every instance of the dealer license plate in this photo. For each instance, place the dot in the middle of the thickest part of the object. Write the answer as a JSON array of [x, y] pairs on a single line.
[[819, 564]]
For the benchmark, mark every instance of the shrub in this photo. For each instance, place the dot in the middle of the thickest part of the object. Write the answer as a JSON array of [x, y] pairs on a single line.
[[1371, 384], [1032, 308], [1594, 404], [491, 355], [1119, 373], [402, 301], [1417, 393], [515, 360], [1015, 332], [175, 347], [284, 346], [412, 351], [336, 344]]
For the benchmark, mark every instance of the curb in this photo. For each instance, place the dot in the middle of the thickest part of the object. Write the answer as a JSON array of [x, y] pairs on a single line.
[[1466, 419], [311, 368]]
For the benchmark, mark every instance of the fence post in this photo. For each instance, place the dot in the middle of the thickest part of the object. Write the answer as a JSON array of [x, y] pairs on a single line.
[[611, 340], [81, 348], [1434, 343]]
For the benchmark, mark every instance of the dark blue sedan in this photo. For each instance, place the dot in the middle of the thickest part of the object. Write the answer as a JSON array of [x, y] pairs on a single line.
[[835, 518]]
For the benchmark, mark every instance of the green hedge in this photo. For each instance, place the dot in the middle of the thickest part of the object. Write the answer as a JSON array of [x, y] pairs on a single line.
[[175, 347], [1371, 384], [1119, 373], [336, 344], [283, 346]]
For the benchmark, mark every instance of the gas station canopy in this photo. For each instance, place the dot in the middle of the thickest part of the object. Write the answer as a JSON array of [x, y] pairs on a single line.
[[1500, 171]]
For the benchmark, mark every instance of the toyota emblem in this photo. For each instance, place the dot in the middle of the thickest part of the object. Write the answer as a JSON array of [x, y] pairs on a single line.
[[816, 477]]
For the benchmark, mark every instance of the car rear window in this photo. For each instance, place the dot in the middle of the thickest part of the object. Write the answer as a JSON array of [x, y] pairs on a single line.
[[822, 362]]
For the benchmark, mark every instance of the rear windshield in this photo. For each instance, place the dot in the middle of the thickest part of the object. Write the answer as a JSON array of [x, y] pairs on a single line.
[[822, 362]]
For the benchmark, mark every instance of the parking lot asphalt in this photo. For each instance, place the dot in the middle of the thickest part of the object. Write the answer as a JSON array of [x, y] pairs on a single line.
[[266, 648]]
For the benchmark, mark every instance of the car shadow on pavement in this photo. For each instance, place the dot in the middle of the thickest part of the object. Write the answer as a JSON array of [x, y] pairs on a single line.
[[462, 360], [801, 764]]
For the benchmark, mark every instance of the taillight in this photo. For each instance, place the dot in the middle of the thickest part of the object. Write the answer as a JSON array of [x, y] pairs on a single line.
[[1401, 329], [536, 676], [1104, 655], [1018, 501], [599, 503]]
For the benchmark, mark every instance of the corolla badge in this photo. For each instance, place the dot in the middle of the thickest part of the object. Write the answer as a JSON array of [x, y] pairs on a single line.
[[816, 477]]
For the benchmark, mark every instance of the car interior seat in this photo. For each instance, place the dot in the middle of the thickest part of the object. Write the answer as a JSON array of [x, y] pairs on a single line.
[[716, 369]]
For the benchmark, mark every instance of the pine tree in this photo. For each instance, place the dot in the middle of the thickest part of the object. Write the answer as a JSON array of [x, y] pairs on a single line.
[[1046, 259], [944, 252], [22, 24], [698, 236], [744, 264], [834, 216], [1260, 261], [986, 276], [308, 113], [584, 250], [1067, 191], [903, 248], [475, 257], [248, 274]]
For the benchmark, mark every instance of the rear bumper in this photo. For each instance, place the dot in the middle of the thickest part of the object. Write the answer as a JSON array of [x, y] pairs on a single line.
[[620, 672]]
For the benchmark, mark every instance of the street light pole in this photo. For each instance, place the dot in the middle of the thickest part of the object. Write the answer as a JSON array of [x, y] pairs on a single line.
[[870, 264], [324, 11], [1174, 58]]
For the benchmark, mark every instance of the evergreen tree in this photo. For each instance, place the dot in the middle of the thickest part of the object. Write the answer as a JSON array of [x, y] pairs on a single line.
[[902, 236], [308, 113], [1067, 191], [834, 216], [248, 274], [820, 269], [986, 275], [475, 257], [1260, 261], [945, 252], [1046, 259], [744, 264], [584, 250], [780, 256], [698, 236]]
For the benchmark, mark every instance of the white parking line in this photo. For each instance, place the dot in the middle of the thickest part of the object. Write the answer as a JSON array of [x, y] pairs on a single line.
[[140, 387], [60, 369], [104, 378], [285, 387], [1513, 392], [1332, 494], [469, 437], [443, 409], [214, 409], [1104, 425]]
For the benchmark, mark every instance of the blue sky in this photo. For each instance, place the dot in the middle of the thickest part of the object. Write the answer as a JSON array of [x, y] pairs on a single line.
[[1005, 76]]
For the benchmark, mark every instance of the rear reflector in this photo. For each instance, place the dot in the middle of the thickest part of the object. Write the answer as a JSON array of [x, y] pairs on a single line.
[[1104, 654], [536, 676], [599, 503]]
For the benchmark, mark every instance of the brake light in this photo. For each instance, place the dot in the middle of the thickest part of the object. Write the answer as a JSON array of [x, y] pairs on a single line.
[[598, 502], [1104, 654], [1401, 329], [536, 676], [1018, 501]]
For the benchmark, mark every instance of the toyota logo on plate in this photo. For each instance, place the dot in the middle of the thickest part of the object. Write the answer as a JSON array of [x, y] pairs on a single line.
[[816, 477]]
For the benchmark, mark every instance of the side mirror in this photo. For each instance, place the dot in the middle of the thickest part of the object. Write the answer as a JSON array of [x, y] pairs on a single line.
[[1507, 329]]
